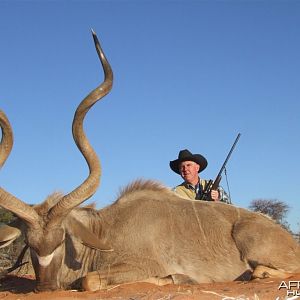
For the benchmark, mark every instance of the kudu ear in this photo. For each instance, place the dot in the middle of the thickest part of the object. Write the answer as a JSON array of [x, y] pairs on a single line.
[[8, 234], [87, 237]]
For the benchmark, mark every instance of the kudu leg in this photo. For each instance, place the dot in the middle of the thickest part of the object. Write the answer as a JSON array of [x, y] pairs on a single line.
[[261, 272], [266, 247], [125, 274]]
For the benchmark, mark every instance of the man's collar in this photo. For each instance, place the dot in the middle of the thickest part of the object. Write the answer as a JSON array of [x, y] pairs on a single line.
[[191, 186]]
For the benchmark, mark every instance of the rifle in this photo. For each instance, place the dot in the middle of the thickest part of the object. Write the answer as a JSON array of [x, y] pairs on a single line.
[[213, 185]]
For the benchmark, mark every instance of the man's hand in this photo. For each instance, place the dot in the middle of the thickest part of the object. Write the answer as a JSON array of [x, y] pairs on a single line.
[[214, 195]]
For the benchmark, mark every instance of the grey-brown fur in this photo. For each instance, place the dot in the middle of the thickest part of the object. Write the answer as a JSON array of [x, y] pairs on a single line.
[[154, 233]]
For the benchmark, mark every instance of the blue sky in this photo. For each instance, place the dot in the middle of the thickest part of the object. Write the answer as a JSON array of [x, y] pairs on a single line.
[[188, 74]]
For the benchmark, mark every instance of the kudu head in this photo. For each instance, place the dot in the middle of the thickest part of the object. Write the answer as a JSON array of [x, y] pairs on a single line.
[[45, 232]]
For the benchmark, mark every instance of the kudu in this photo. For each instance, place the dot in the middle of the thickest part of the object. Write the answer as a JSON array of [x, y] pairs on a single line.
[[147, 234]]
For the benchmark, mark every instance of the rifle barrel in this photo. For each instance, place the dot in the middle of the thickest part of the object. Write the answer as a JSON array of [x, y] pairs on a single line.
[[228, 156]]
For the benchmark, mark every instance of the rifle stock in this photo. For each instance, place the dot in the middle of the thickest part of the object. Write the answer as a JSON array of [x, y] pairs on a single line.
[[206, 192], [216, 183]]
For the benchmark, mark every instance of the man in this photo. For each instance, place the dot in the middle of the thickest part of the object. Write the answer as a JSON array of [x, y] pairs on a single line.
[[188, 166]]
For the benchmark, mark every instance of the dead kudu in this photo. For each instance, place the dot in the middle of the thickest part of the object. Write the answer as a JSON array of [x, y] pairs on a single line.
[[148, 234]]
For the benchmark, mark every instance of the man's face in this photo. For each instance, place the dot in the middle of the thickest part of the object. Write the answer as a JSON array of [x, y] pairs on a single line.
[[189, 171]]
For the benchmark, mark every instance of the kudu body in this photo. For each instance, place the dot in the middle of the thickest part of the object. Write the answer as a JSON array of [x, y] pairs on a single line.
[[147, 234]]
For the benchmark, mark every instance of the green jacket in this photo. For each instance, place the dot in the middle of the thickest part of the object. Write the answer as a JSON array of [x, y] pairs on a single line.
[[188, 191]]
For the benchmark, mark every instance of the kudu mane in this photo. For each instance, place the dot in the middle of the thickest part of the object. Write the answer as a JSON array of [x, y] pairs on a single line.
[[141, 187]]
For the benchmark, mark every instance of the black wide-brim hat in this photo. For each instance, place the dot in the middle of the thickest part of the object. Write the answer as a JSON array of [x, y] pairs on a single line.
[[185, 155]]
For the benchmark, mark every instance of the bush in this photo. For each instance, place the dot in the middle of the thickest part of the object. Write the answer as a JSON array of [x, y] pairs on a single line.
[[274, 208], [10, 253]]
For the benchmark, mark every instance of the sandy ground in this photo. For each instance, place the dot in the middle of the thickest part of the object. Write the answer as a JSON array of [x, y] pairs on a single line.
[[23, 288]]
